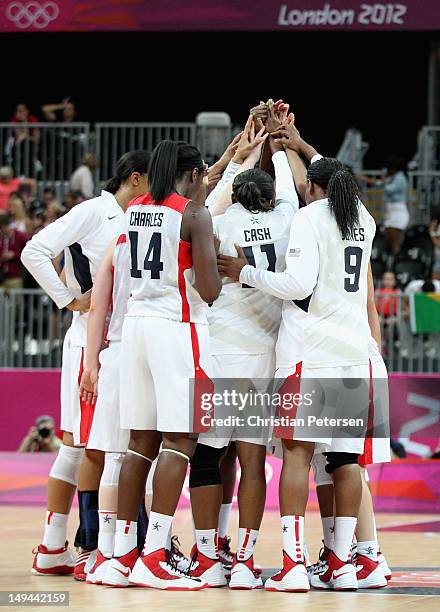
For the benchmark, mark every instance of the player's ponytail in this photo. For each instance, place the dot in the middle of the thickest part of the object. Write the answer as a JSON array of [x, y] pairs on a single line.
[[169, 161], [254, 190], [133, 161], [341, 190]]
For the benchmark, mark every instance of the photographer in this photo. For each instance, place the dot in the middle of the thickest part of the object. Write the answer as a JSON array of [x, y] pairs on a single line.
[[41, 437]]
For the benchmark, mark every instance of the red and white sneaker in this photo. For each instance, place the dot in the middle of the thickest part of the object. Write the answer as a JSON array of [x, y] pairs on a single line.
[[51, 562], [335, 574], [84, 563], [208, 570], [98, 570], [157, 571], [369, 573], [226, 556], [318, 567], [244, 576], [182, 562], [119, 569], [384, 565], [293, 578]]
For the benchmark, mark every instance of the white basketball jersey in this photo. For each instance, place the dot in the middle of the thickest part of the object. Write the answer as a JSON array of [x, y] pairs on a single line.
[[162, 276], [244, 320], [121, 288], [336, 328]]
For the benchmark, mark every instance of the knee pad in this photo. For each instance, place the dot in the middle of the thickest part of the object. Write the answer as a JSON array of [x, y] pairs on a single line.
[[112, 468], [66, 465], [205, 466], [337, 460], [322, 477]]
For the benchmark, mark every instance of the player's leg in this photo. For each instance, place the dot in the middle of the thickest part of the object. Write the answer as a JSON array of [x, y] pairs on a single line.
[[325, 494], [206, 497], [228, 474], [52, 555]]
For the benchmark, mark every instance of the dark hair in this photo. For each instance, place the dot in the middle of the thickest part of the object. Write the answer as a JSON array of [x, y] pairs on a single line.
[[395, 164], [254, 190], [169, 161], [5, 218], [133, 161], [342, 192], [428, 287]]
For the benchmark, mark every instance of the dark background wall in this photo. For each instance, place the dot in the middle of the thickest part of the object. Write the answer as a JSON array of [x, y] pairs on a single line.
[[376, 82]]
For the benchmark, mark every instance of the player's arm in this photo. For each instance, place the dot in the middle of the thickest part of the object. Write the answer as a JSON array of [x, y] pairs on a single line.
[[285, 192], [39, 252], [99, 307], [373, 317], [302, 259], [207, 279]]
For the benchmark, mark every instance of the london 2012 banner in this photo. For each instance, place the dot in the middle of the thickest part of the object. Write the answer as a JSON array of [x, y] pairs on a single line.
[[216, 15]]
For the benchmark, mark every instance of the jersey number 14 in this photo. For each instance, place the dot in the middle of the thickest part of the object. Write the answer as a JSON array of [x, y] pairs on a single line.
[[152, 258]]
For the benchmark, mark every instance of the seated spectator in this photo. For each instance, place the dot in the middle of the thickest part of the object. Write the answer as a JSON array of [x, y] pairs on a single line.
[[434, 232], [82, 179], [386, 296], [9, 185], [12, 243], [23, 115], [54, 211], [71, 199], [17, 213], [48, 196], [65, 111], [41, 437], [22, 147]]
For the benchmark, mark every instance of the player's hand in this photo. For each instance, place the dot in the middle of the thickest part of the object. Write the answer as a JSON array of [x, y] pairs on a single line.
[[81, 304], [288, 136], [211, 181], [232, 266], [249, 141], [88, 387], [273, 121]]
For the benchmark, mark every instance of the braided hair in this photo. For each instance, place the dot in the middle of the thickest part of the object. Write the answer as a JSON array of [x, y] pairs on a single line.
[[342, 192], [254, 189]]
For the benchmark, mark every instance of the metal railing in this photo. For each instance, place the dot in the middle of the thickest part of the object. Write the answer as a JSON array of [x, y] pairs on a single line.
[[32, 331], [44, 151]]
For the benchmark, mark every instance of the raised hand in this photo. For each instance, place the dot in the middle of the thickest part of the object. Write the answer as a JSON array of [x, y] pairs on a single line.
[[249, 141]]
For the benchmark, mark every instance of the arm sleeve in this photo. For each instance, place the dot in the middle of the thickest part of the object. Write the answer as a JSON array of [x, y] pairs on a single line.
[[302, 259], [49, 242], [315, 158], [285, 191], [230, 171]]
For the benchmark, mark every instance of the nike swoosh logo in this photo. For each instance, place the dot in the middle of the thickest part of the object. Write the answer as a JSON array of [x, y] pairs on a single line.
[[337, 574], [126, 574], [114, 217]]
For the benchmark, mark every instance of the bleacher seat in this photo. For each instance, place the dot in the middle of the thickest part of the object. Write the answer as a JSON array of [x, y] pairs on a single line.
[[407, 270], [417, 245], [379, 255]]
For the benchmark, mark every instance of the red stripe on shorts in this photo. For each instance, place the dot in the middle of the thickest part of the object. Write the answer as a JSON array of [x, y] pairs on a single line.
[[367, 457], [87, 410], [184, 262], [290, 387], [202, 385]]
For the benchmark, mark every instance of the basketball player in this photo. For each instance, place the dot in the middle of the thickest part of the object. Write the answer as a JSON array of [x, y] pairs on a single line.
[[244, 326], [327, 259], [165, 344], [83, 234]]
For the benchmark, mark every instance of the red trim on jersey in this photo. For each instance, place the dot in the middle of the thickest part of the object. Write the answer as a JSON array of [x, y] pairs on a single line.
[[242, 551], [202, 385], [174, 201], [184, 262], [122, 238], [291, 386], [367, 457], [87, 410]]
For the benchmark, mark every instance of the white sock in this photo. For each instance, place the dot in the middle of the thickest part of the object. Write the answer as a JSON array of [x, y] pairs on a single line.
[[247, 538], [206, 540], [159, 525], [168, 545], [106, 535], [375, 533], [125, 537], [328, 528], [223, 520], [344, 532], [55, 530], [368, 549], [292, 529]]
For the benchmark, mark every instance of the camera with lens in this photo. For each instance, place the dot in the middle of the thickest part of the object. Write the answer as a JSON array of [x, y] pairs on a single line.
[[44, 432]]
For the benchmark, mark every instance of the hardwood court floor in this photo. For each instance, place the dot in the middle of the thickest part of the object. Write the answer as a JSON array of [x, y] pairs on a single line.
[[21, 527]]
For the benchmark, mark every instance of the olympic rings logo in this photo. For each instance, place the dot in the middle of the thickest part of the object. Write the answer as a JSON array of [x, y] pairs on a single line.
[[32, 14]]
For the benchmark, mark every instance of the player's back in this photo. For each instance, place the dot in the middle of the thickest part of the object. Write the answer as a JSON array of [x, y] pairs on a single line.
[[161, 271], [244, 320], [334, 333]]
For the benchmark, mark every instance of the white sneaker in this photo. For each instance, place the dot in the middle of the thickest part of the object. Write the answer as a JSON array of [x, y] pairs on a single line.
[[384, 565], [182, 562], [292, 578], [118, 570], [335, 574], [157, 571], [52, 562], [208, 570], [244, 576], [97, 572], [369, 573]]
